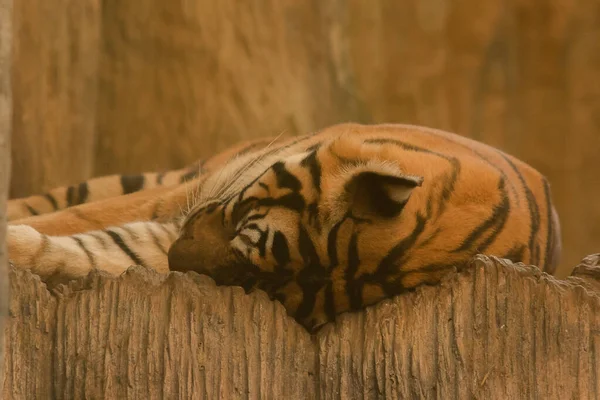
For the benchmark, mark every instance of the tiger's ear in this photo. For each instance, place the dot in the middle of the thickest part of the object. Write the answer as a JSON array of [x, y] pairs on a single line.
[[371, 193]]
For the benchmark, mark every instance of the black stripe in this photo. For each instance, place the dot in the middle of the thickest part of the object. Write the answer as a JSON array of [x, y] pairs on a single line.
[[313, 214], [264, 186], [52, 201], [353, 285], [240, 211], [268, 153], [534, 213], [430, 238], [119, 242], [254, 217], [155, 238], [474, 151], [395, 257], [285, 179], [88, 253], [262, 242], [449, 185], [71, 196], [224, 206], [159, 178], [281, 253], [495, 222], [31, 210], [242, 192], [99, 238], [271, 282], [131, 232], [314, 167], [551, 234], [395, 287], [252, 227], [80, 197], [431, 268], [499, 226], [245, 239], [311, 278], [211, 208], [82, 192], [332, 244], [280, 250], [132, 183]]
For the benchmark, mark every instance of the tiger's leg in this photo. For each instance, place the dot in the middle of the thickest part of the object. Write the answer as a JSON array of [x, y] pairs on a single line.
[[108, 235], [57, 259], [96, 189], [160, 204], [106, 187]]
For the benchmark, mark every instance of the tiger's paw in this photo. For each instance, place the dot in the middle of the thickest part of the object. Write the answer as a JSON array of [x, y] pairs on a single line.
[[28, 249], [23, 242]]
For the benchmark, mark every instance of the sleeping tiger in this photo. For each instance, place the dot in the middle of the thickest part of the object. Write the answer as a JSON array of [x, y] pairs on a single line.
[[324, 223]]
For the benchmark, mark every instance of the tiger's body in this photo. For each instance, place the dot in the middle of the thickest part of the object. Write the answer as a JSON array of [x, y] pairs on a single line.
[[325, 223]]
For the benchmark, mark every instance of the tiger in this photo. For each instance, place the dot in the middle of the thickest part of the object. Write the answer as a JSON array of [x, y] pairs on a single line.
[[325, 223]]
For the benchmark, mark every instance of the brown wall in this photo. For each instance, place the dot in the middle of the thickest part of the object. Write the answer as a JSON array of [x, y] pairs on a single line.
[[104, 86]]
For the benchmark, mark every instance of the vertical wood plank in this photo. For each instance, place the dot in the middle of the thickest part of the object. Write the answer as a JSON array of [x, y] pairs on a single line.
[[54, 92]]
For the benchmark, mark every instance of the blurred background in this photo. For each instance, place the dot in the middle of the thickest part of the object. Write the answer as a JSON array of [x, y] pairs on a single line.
[[107, 86]]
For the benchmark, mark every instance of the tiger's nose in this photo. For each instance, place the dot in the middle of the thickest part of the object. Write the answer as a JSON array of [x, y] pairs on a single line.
[[183, 255], [202, 245]]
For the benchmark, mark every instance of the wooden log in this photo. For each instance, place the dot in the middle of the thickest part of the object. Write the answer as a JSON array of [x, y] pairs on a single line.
[[492, 330], [6, 7]]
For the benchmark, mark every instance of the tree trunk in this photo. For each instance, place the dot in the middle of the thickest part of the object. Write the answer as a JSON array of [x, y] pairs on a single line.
[[493, 330], [5, 133]]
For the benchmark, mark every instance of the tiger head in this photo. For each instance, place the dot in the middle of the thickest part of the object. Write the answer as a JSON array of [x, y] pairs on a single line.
[[331, 228]]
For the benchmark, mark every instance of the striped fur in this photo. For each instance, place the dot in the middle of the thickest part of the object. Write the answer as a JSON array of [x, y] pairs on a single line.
[[97, 189], [325, 223]]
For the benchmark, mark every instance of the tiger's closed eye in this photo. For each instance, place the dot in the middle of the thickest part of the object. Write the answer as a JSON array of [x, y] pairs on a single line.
[[242, 209]]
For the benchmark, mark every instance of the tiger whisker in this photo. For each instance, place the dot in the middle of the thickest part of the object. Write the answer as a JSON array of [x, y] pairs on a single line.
[[239, 173]]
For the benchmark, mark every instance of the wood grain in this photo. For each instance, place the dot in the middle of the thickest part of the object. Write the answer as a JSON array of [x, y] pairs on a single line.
[[494, 330]]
